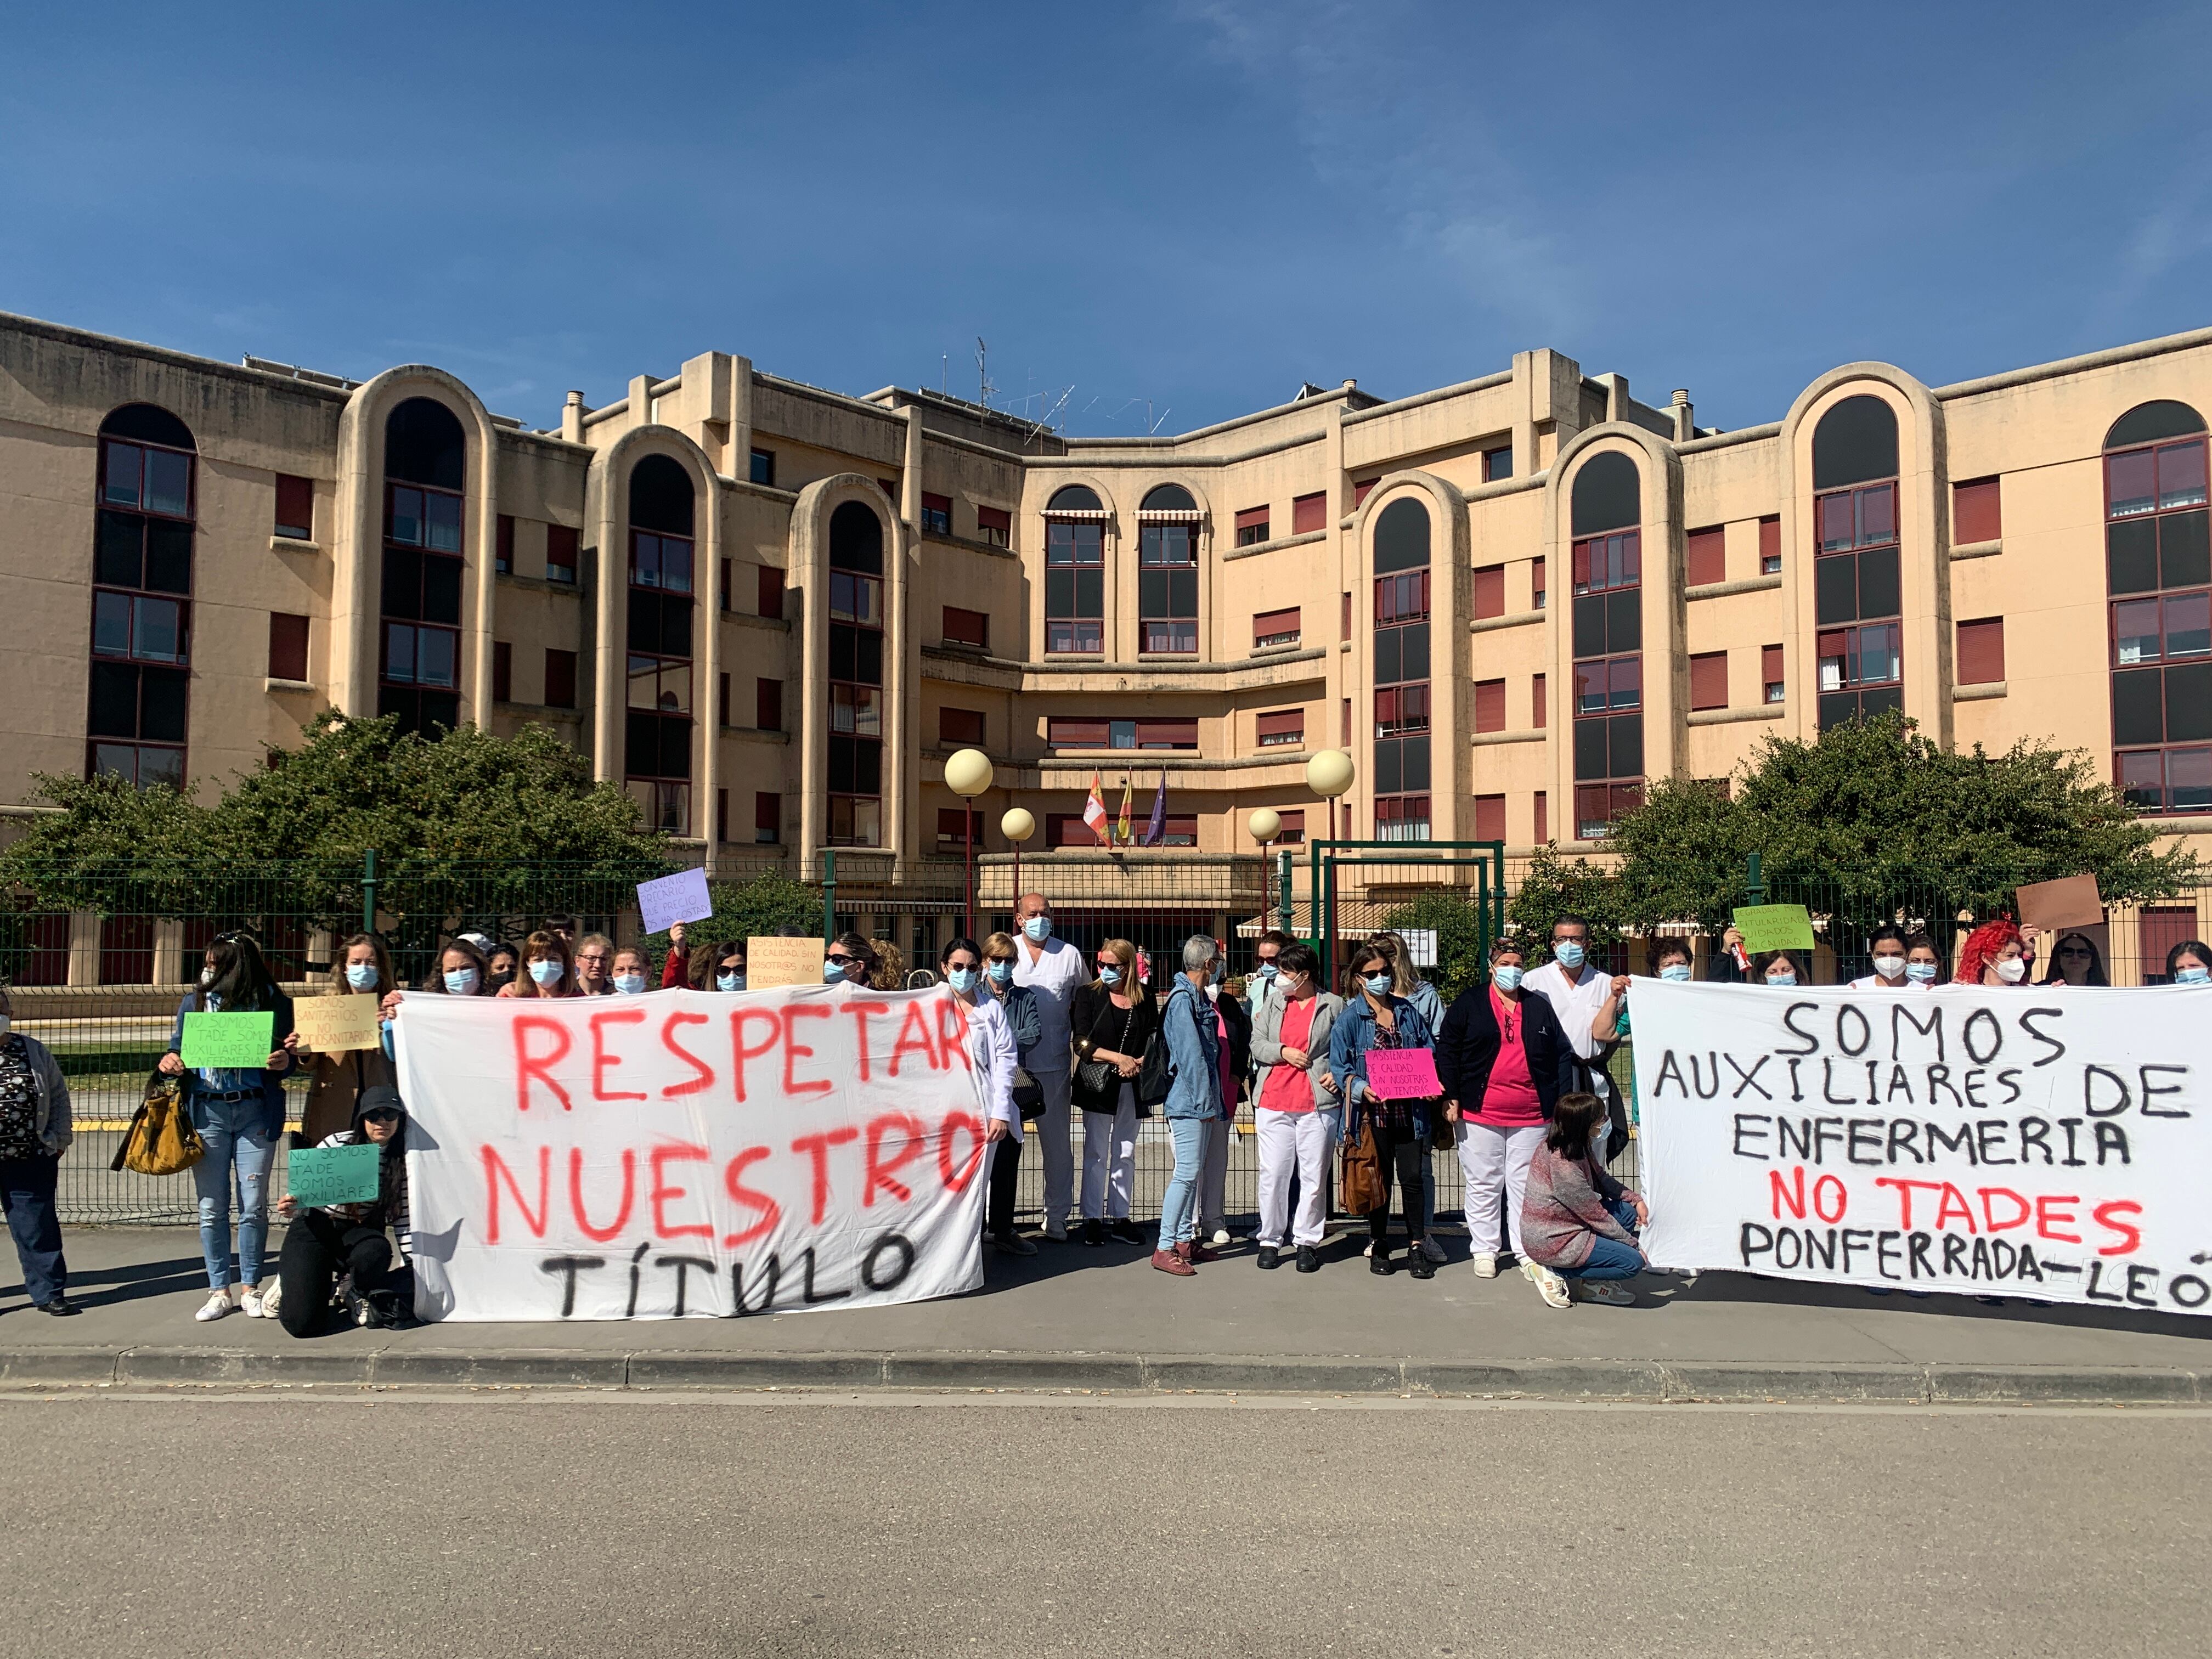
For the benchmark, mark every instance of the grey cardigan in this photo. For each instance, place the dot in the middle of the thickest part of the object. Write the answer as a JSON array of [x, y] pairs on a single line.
[[1268, 1044], [53, 1120]]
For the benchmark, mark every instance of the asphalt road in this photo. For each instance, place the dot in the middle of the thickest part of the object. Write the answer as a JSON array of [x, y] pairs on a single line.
[[629, 1525]]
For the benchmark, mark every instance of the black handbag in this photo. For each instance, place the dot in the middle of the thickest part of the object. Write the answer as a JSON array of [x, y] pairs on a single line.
[[1028, 1095], [1154, 1075], [1096, 1076]]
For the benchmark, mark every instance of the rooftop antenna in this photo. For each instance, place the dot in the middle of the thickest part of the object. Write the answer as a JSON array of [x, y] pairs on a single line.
[[944, 366], [983, 386]]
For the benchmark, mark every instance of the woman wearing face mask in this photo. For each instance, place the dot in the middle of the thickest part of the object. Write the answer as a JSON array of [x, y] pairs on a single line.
[[502, 966], [2075, 961], [1295, 1108], [1886, 945], [1993, 955], [344, 1244], [1777, 969], [547, 969], [991, 1046], [1019, 1006], [852, 960], [2189, 963], [1376, 1016], [628, 978], [336, 1081], [1923, 967], [1233, 1029], [1112, 1019], [719, 966], [240, 1113]]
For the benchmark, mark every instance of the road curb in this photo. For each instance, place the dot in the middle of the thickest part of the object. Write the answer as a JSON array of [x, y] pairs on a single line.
[[1566, 1380]]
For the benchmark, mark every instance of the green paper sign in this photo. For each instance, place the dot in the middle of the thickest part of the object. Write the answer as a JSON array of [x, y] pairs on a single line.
[[321, 1176], [229, 1042], [1774, 928]]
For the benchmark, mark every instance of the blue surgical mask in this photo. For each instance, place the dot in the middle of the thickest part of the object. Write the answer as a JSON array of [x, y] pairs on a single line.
[[1677, 971], [729, 982], [1219, 970], [1110, 975], [1001, 973], [1377, 985], [961, 980], [1506, 977], [2192, 975], [546, 971], [833, 973], [362, 975], [1920, 973], [1568, 953], [629, 984], [1782, 979], [1264, 970], [461, 981], [1039, 928]]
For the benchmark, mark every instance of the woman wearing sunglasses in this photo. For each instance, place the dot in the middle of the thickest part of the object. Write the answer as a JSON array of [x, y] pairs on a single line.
[[344, 1244], [1113, 1018], [851, 960]]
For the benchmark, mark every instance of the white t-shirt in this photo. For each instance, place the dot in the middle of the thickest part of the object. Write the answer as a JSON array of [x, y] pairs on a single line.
[[1876, 982], [1053, 974]]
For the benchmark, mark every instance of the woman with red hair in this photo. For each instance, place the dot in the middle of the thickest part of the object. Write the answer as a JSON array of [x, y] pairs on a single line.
[[1994, 954]]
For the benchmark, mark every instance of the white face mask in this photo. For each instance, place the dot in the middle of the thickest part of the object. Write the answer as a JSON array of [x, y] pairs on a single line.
[[207, 976], [1889, 967], [2012, 969]]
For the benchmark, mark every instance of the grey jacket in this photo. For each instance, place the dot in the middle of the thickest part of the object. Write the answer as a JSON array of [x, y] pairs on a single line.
[[53, 1110], [1268, 1044]]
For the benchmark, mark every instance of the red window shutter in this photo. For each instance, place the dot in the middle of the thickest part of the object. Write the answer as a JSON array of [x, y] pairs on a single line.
[[1490, 705], [502, 671], [288, 646], [1490, 590], [953, 825], [937, 503], [560, 544], [1540, 702], [1252, 518], [1709, 680], [1077, 733], [1770, 542], [959, 726], [295, 506], [1981, 651], [559, 679], [1344, 725], [1179, 830], [1974, 514], [994, 518], [1310, 513], [768, 818], [1286, 726], [1543, 816], [1708, 558], [967, 627], [1167, 734], [1770, 665], [768, 705], [1536, 579], [1361, 490], [771, 592], [1275, 625], [1293, 831], [1489, 817]]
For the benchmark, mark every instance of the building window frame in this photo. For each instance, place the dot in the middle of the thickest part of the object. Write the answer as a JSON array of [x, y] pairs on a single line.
[[2159, 612]]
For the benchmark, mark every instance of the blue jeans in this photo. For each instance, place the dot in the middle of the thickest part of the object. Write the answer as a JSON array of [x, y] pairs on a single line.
[[1608, 1259], [27, 1187], [233, 1131], [1176, 1209]]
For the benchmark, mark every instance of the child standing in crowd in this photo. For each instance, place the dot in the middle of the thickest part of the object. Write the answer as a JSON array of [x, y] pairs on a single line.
[[1578, 1221], [34, 1132]]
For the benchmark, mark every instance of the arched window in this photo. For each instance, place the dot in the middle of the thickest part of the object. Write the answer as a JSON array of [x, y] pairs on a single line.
[[657, 739], [2158, 567], [1401, 671], [1075, 572], [1606, 516], [856, 676], [1858, 588], [142, 597], [1167, 571], [419, 653]]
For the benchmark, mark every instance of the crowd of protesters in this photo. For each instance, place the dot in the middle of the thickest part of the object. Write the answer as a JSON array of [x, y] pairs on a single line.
[[1525, 1098]]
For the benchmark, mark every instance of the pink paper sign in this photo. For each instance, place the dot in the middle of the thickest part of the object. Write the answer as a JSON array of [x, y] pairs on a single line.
[[1403, 1074]]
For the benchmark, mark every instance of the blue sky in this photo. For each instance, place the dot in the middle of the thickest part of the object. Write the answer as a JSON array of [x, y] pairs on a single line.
[[1198, 204]]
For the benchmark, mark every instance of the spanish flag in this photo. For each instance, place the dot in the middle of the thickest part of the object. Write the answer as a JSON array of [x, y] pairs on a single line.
[[1094, 813], [1122, 827]]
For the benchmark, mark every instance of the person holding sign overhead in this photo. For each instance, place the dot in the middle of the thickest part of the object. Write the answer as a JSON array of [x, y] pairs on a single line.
[[336, 1081], [343, 1244], [238, 1110], [1376, 1016]]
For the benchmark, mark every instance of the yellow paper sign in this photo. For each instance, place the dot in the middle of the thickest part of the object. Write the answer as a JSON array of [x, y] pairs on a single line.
[[334, 1025], [773, 962], [1774, 928]]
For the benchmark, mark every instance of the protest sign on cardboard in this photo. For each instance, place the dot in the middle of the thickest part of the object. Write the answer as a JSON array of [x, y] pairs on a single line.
[[1403, 1074], [339, 1025], [771, 962], [2071, 902], [1774, 928]]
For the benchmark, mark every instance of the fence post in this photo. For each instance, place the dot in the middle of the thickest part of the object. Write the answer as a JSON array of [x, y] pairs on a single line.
[[369, 891], [829, 894], [1290, 916], [1754, 884]]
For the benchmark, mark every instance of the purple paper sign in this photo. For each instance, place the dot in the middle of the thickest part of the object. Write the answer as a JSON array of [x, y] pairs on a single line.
[[680, 898], [1403, 1074]]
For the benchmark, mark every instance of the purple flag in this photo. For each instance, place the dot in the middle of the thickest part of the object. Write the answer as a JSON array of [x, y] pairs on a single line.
[[1158, 827]]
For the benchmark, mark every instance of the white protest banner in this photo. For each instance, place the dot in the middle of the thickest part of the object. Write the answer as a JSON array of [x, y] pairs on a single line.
[[681, 1154], [2047, 1145]]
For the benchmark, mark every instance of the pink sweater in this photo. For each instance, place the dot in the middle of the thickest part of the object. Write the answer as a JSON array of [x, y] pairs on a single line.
[[1564, 1209]]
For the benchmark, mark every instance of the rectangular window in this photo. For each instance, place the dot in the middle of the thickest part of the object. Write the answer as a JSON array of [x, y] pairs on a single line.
[[1487, 593], [1401, 817], [1178, 830], [1403, 599], [2140, 480], [768, 818], [721, 816], [1770, 673], [559, 679], [994, 525], [769, 601], [1536, 580], [1981, 648], [1074, 587], [2166, 780], [1068, 830], [288, 646], [502, 671], [1489, 705], [1167, 588], [1540, 702], [1707, 560], [1165, 734], [967, 628], [768, 705], [1361, 490], [721, 702], [1858, 672], [503, 555], [1850, 518], [1343, 724], [1293, 832], [1275, 628], [1608, 684], [1400, 709], [1496, 463], [1709, 686], [1251, 527], [1599, 807], [890, 487], [296, 507], [959, 726], [1344, 623], [561, 543], [1310, 513], [1282, 729], [1769, 546], [419, 659], [1489, 817], [1603, 563], [1543, 816], [936, 514], [954, 826], [1975, 513], [724, 587], [1060, 734], [763, 467]]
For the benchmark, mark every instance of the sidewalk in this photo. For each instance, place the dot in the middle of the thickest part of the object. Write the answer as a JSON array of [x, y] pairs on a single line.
[[1103, 1319]]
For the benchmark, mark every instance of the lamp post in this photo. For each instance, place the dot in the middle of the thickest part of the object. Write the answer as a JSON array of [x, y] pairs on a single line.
[[1017, 826], [1328, 775], [1263, 826], [968, 774]]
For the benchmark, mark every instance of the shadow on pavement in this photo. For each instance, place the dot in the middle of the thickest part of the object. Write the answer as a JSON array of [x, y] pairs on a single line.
[[1721, 1287], [99, 1287]]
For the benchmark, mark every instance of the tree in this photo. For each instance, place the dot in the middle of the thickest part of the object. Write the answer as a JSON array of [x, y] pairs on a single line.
[[108, 838], [1461, 947], [1551, 888]]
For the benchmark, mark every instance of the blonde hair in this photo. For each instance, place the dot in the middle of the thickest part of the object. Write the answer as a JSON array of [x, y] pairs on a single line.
[[1125, 953], [890, 972], [1001, 944]]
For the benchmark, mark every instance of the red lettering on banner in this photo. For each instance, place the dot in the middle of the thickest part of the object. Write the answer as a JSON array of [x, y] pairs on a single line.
[[496, 1170], [883, 1172], [1821, 1195], [914, 1034], [527, 1065], [817, 1147], [862, 1013], [1904, 1195], [953, 1031], [2106, 1216], [1792, 1193], [602, 1061], [733, 1180], [576, 1194], [1954, 1200], [793, 1049], [706, 1078], [956, 1181], [1990, 1213], [2048, 1217], [662, 1191], [742, 1053]]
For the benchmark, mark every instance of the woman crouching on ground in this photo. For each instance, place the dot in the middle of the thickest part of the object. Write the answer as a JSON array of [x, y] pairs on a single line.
[[1578, 1222], [344, 1245]]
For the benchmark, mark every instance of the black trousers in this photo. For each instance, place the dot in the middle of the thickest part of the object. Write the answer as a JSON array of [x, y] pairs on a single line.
[[27, 1188], [1005, 1170], [319, 1247], [1408, 1155]]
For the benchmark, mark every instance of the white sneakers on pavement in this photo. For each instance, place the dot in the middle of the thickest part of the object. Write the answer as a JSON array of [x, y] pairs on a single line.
[[217, 1304], [1221, 1236], [1549, 1286], [1486, 1264], [1614, 1296], [253, 1305]]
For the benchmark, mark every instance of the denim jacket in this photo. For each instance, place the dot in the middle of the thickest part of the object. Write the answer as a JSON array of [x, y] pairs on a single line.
[[1350, 1039], [1193, 1055]]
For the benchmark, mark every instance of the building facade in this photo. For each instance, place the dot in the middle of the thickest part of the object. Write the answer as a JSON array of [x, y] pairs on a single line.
[[773, 611]]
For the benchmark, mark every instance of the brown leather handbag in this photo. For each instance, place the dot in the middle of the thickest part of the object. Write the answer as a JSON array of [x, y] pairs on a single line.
[[1360, 1186], [161, 1141]]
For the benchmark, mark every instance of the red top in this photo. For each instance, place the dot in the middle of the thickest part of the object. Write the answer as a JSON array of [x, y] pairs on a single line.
[[1288, 1089], [1510, 1102]]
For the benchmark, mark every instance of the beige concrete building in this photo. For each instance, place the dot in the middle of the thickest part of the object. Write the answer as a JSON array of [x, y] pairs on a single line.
[[774, 611]]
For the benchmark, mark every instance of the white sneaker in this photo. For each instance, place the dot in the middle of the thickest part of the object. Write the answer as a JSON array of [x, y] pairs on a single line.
[[1612, 1295], [1055, 1228], [252, 1305], [218, 1303], [1553, 1288], [269, 1299], [1370, 1250], [1432, 1252], [1486, 1264], [1221, 1235]]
